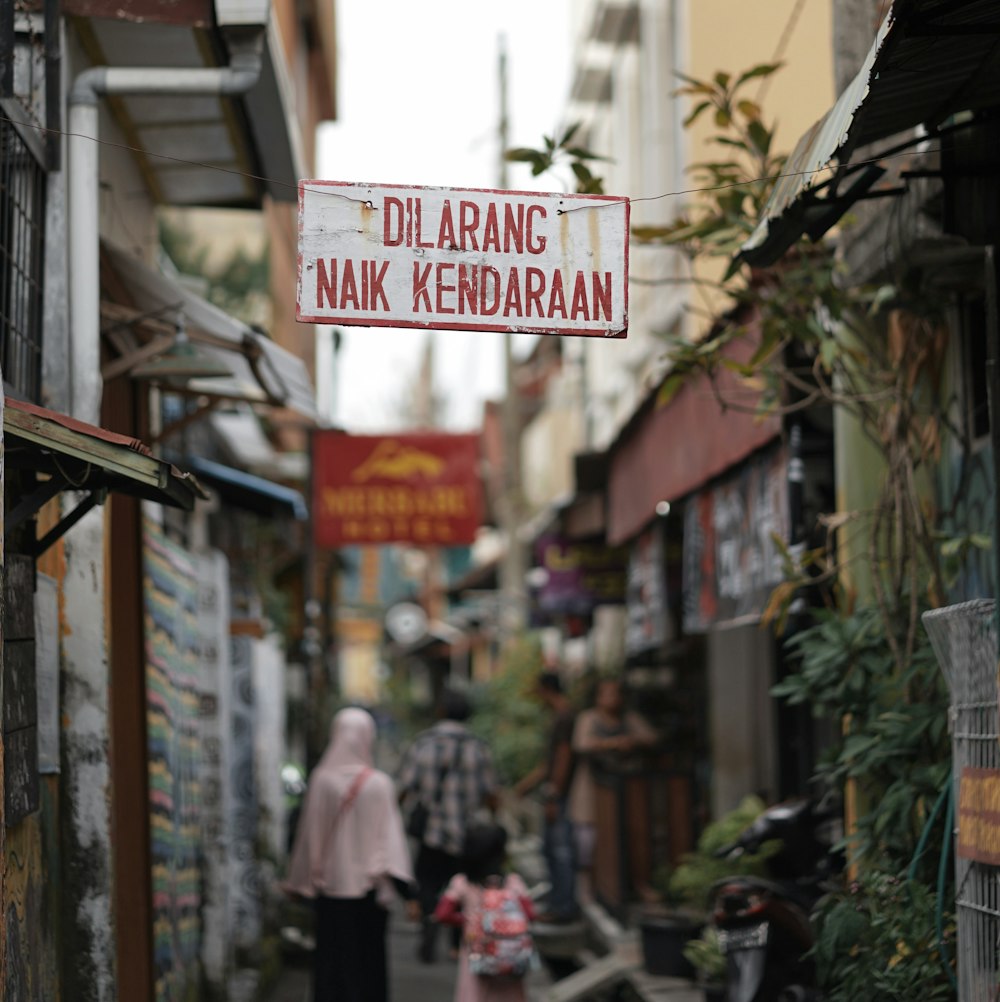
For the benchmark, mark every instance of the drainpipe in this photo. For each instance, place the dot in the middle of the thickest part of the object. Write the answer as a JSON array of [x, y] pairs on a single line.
[[84, 158], [90, 928]]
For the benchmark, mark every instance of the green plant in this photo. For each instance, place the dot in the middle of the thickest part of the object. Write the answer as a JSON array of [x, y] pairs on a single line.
[[894, 744], [875, 353], [879, 941], [691, 882], [556, 153], [739, 183], [705, 955], [508, 715]]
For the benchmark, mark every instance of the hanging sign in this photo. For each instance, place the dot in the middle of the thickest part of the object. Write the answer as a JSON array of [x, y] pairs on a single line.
[[979, 815], [579, 575], [463, 259], [422, 489]]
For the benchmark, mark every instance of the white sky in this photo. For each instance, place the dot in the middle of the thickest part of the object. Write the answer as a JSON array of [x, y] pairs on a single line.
[[418, 103]]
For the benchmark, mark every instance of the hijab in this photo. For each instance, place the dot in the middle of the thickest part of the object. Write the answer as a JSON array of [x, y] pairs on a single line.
[[346, 851]]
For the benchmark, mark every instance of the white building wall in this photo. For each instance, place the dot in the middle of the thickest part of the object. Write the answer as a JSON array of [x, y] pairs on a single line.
[[215, 763], [547, 449], [269, 739], [638, 131]]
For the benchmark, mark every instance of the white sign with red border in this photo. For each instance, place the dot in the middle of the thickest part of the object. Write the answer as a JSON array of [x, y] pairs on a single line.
[[462, 259]]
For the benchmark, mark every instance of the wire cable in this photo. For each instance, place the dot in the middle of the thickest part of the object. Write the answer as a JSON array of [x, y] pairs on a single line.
[[325, 190], [779, 49]]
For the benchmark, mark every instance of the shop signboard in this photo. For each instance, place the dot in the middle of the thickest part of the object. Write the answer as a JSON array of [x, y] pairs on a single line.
[[979, 815], [421, 489], [646, 621], [731, 560], [579, 575], [462, 259]]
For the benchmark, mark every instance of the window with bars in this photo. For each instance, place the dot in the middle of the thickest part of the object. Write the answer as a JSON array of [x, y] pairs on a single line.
[[22, 246]]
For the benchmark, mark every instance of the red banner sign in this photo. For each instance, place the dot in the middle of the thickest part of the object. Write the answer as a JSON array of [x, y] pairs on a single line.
[[422, 489]]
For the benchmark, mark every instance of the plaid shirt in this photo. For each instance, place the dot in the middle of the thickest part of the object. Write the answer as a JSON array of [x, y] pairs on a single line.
[[447, 758]]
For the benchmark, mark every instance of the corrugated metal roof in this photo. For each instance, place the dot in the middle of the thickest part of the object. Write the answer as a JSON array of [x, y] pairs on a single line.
[[930, 60], [262, 371], [91, 457], [208, 150]]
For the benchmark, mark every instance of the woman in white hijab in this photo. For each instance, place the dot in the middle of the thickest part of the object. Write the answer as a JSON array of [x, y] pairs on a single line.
[[350, 850]]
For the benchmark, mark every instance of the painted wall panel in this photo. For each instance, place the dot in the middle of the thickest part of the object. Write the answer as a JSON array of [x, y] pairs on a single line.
[[171, 604], [214, 712]]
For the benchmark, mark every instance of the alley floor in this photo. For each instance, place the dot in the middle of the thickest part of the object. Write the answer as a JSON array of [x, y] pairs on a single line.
[[410, 980]]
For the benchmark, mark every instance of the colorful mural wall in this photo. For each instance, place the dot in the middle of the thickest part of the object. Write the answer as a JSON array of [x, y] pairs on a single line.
[[214, 711], [244, 874], [171, 621]]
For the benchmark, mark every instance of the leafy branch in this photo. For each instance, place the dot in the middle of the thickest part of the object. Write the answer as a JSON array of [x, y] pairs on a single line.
[[559, 152]]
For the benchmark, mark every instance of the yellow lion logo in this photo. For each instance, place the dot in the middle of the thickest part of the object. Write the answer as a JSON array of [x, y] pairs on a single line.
[[394, 461]]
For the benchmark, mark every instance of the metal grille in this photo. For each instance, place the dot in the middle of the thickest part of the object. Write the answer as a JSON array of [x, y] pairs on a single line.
[[22, 244], [965, 642]]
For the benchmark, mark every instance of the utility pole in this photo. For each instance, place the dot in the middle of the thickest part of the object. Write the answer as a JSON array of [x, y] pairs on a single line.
[[512, 595]]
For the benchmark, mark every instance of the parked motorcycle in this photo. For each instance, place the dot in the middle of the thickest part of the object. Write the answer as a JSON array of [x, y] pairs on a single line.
[[763, 922]]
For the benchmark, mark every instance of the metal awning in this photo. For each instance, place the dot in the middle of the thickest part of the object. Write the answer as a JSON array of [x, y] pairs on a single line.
[[262, 371], [931, 60], [210, 150], [252, 493], [66, 454]]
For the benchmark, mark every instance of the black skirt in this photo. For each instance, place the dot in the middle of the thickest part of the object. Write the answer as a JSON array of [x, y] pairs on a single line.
[[351, 963]]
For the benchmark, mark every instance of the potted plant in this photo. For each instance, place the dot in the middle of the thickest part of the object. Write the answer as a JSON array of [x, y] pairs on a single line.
[[705, 955], [666, 929], [665, 932]]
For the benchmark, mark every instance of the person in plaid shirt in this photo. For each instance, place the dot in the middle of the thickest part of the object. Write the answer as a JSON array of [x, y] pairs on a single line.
[[446, 775]]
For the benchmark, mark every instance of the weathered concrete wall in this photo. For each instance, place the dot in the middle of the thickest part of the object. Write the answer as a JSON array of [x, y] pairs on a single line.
[[88, 939]]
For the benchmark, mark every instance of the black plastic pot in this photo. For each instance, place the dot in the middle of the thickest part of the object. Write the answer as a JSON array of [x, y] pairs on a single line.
[[663, 940], [714, 993]]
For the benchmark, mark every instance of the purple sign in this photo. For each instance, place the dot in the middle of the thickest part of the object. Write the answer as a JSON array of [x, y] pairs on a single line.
[[579, 575]]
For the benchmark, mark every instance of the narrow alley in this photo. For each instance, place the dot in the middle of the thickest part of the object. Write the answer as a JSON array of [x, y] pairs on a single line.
[[410, 980]]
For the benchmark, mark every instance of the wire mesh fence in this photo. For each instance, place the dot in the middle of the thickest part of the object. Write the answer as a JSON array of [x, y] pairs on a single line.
[[964, 638]]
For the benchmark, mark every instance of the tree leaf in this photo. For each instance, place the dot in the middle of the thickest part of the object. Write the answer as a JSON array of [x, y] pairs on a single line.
[[762, 70], [570, 132], [523, 154], [583, 154], [669, 389], [696, 112], [759, 136]]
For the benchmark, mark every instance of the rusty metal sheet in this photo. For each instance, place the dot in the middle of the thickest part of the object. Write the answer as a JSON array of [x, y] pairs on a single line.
[[463, 259]]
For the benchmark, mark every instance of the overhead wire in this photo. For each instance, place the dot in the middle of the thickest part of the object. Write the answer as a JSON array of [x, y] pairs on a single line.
[[850, 164], [779, 49]]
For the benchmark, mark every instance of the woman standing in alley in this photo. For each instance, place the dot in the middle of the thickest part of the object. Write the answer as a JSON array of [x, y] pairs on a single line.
[[350, 851]]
